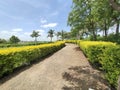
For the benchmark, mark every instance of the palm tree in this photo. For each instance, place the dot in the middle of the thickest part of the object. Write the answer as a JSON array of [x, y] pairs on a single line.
[[35, 34], [58, 34], [51, 34], [63, 35]]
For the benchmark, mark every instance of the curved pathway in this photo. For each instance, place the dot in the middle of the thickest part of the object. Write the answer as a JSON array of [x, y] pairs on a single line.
[[63, 70]]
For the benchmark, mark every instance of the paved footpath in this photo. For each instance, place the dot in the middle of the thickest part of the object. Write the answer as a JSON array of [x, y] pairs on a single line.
[[51, 73]]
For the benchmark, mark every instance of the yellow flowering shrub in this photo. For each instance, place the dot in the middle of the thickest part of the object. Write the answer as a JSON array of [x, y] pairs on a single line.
[[105, 56], [11, 58], [84, 45]]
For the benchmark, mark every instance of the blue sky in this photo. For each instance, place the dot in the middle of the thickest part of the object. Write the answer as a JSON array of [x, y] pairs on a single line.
[[21, 17]]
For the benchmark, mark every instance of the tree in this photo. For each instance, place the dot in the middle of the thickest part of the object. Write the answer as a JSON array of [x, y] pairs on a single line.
[[58, 34], [62, 34], [51, 34], [116, 20], [3, 41], [65, 35], [35, 34], [93, 15], [14, 39], [82, 16], [115, 5]]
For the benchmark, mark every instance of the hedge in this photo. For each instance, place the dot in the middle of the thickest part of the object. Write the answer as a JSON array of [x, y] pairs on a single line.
[[12, 58], [71, 41], [22, 44], [104, 55], [110, 62]]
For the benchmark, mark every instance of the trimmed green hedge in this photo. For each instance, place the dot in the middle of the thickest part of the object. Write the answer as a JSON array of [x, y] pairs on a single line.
[[12, 58], [110, 61]]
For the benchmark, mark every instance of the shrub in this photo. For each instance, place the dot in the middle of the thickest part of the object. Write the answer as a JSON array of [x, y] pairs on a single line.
[[6, 45], [111, 64], [111, 38], [12, 58], [106, 56], [71, 41]]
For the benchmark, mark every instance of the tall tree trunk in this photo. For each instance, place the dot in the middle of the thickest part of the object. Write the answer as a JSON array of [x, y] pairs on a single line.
[[117, 28], [105, 29], [94, 32], [57, 37], [51, 39], [94, 35], [62, 35], [35, 40]]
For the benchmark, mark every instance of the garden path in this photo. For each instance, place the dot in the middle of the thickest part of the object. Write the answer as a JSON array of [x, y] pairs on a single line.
[[67, 69]]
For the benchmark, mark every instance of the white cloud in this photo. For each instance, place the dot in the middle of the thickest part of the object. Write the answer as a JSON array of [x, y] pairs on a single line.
[[7, 34], [4, 32], [50, 25], [14, 33], [17, 30], [43, 21], [40, 30]]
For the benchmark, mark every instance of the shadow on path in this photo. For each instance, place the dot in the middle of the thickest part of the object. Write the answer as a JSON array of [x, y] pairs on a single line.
[[84, 78]]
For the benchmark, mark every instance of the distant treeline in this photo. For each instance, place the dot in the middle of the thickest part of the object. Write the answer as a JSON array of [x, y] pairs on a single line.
[[5, 45]]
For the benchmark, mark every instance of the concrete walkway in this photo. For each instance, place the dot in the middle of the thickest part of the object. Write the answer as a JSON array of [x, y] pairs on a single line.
[[58, 72]]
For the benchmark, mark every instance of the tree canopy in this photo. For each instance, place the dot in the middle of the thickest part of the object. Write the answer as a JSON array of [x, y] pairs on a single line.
[[51, 34], [115, 5], [14, 39], [88, 17], [35, 34]]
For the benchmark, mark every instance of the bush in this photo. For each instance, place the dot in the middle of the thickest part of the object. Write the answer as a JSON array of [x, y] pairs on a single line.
[[3, 41], [111, 64], [71, 41], [21, 44], [111, 38], [104, 55], [12, 58]]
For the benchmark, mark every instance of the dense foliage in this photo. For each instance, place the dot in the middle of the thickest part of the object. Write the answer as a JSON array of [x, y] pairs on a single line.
[[89, 17], [51, 34], [35, 34], [14, 39], [12, 58], [63, 35], [2, 41], [111, 38]]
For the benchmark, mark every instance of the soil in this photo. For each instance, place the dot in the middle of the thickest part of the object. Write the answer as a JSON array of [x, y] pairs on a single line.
[[67, 69]]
